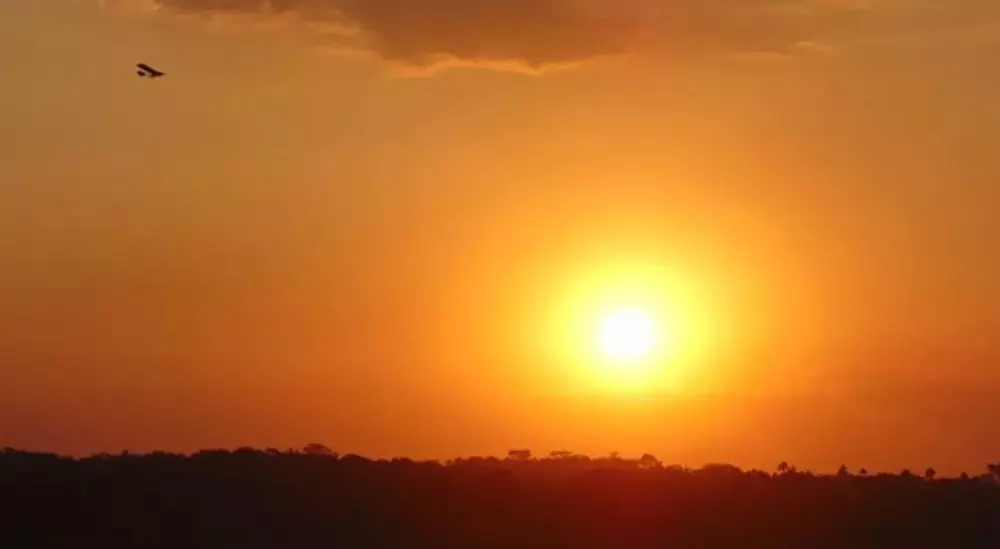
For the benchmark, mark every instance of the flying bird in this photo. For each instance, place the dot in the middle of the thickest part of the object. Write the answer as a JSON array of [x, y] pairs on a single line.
[[146, 70]]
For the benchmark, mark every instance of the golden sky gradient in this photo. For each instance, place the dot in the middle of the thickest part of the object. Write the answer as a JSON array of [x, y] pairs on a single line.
[[379, 224]]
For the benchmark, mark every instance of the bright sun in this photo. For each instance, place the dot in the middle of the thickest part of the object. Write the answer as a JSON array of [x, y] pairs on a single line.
[[631, 327], [627, 334]]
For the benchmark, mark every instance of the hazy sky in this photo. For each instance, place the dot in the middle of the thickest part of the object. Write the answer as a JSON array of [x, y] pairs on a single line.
[[362, 223]]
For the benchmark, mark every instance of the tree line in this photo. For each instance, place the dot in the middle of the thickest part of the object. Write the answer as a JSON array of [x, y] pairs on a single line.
[[314, 497]]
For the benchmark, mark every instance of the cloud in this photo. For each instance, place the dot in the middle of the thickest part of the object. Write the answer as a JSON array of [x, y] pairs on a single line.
[[538, 33]]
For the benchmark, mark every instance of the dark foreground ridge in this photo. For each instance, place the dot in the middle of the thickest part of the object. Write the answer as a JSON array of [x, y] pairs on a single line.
[[313, 498]]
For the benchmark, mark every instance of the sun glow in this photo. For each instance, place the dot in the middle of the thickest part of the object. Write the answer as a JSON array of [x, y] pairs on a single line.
[[634, 328]]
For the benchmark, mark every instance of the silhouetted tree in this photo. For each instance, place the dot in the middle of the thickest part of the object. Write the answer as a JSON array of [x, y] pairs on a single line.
[[519, 455], [317, 449], [994, 470], [649, 461], [721, 469]]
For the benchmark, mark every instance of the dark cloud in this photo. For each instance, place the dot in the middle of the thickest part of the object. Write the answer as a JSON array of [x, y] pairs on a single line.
[[537, 33]]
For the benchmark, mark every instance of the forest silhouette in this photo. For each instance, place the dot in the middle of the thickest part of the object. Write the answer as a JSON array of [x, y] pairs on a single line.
[[313, 497]]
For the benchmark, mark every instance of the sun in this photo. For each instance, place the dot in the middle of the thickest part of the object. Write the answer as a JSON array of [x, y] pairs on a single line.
[[627, 334], [633, 327], [634, 347]]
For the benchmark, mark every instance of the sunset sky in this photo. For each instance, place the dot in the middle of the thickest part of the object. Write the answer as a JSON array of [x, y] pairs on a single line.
[[390, 225]]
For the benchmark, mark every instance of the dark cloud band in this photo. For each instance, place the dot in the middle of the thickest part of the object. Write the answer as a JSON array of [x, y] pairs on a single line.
[[542, 32]]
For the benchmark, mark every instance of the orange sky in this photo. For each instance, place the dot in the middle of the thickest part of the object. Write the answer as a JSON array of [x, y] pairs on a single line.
[[359, 223]]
